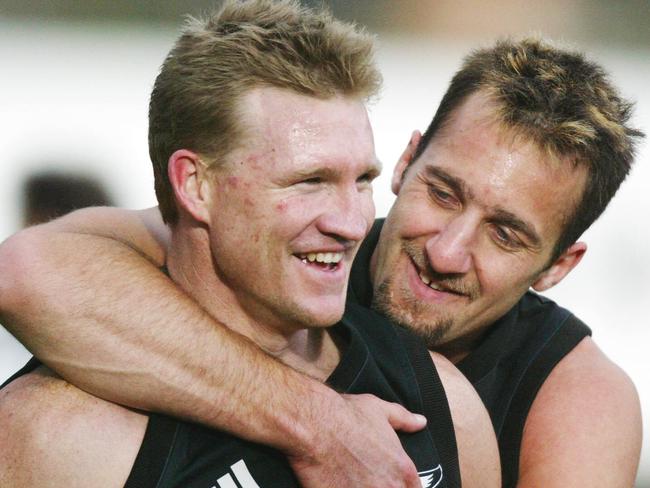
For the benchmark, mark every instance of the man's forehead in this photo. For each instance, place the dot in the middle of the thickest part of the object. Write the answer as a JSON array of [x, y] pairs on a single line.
[[280, 124]]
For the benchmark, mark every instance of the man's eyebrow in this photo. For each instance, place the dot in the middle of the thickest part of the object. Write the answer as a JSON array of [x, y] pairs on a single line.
[[505, 217], [456, 184]]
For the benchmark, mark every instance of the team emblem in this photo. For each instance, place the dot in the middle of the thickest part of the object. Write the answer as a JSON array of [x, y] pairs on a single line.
[[431, 478]]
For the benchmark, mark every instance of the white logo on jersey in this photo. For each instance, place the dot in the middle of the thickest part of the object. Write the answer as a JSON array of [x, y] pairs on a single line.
[[242, 475], [431, 478]]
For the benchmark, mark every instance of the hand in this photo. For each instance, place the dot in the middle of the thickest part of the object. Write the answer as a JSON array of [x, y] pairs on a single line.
[[355, 445]]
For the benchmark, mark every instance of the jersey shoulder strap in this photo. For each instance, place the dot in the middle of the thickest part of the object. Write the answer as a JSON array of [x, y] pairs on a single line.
[[435, 406], [154, 452]]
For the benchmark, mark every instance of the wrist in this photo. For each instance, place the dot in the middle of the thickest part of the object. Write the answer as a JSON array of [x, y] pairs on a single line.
[[305, 423]]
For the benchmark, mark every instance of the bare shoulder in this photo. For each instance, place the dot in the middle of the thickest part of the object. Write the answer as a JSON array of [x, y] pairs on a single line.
[[584, 427], [53, 434], [478, 450]]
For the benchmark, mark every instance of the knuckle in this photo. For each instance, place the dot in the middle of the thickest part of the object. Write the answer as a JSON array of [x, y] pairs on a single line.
[[407, 468]]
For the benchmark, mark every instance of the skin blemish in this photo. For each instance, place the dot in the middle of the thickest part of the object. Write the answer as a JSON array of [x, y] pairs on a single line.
[[232, 181], [281, 206]]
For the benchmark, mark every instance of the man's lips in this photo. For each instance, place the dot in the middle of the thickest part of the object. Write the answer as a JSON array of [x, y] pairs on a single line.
[[331, 262], [438, 285]]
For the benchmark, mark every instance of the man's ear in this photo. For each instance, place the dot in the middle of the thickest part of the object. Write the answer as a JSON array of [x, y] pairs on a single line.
[[189, 179], [568, 260], [404, 160]]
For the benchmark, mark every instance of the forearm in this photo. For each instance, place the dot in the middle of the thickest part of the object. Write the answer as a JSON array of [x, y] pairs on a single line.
[[86, 296], [78, 317]]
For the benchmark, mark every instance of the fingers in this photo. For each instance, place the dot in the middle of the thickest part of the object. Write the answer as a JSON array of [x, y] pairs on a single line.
[[402, 420], [363, 450]]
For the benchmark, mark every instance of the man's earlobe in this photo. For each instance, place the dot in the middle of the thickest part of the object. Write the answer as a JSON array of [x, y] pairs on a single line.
[[404, 161], [568, 260], [187, 175]]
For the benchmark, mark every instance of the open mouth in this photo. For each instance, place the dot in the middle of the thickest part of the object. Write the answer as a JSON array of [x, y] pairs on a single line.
[[429, 282], [324, 260]]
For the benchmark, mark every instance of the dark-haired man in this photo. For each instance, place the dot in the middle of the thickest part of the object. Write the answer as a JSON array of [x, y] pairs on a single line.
[[527, 148]]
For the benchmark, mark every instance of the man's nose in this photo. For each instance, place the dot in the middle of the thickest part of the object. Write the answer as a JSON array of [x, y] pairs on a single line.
[[450, 249], [348, 215]]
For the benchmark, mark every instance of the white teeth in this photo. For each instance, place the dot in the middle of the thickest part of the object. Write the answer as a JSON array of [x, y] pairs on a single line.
[[427, 281], [322, 257]]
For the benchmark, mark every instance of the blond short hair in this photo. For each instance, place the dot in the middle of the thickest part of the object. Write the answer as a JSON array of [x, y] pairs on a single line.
[[244, 45]]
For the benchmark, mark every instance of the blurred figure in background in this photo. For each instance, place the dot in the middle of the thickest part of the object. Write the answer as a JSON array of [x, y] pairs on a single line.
[[48, 195]]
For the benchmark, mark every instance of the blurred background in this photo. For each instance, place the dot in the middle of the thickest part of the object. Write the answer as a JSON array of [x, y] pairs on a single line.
[[73, 102]]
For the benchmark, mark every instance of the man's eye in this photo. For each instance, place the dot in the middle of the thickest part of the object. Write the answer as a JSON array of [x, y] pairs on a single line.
[[311, 181], [505, 237], [442, 196], [367, 178]]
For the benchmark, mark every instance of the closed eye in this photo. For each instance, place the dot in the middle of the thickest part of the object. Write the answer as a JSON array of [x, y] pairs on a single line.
[[368, 177], [314, 180]]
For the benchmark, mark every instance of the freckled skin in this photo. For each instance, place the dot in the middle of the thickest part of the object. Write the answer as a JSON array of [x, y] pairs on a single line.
[[302, 187]]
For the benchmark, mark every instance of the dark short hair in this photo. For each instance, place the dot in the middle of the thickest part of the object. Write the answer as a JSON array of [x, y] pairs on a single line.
[[244, 45], [561, 102], [49, 195]]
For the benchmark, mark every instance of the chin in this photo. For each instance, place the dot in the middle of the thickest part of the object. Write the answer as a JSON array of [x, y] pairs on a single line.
[[323, 317], [326, 320], [323, 311]]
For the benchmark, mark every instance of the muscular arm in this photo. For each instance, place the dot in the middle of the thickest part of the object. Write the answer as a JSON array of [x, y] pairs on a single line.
[[97, 311], [584, 427], [53, 435]]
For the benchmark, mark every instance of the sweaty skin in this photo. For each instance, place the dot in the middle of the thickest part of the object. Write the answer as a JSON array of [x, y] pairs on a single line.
[[364, 412], [488, 237], [268, 414], [271, 415]]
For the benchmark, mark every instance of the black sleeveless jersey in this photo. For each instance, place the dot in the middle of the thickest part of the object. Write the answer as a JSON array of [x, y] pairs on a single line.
[[374, 360], [181, 454], [512, 362]]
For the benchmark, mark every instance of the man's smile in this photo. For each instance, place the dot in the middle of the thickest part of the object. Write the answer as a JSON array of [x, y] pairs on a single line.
[[327, 260]]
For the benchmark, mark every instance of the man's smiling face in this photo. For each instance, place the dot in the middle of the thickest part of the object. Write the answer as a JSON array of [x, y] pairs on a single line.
[[292, 206], [473, 227]]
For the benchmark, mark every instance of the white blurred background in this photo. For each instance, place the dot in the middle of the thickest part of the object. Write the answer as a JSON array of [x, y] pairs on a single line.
[[74, 89]]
